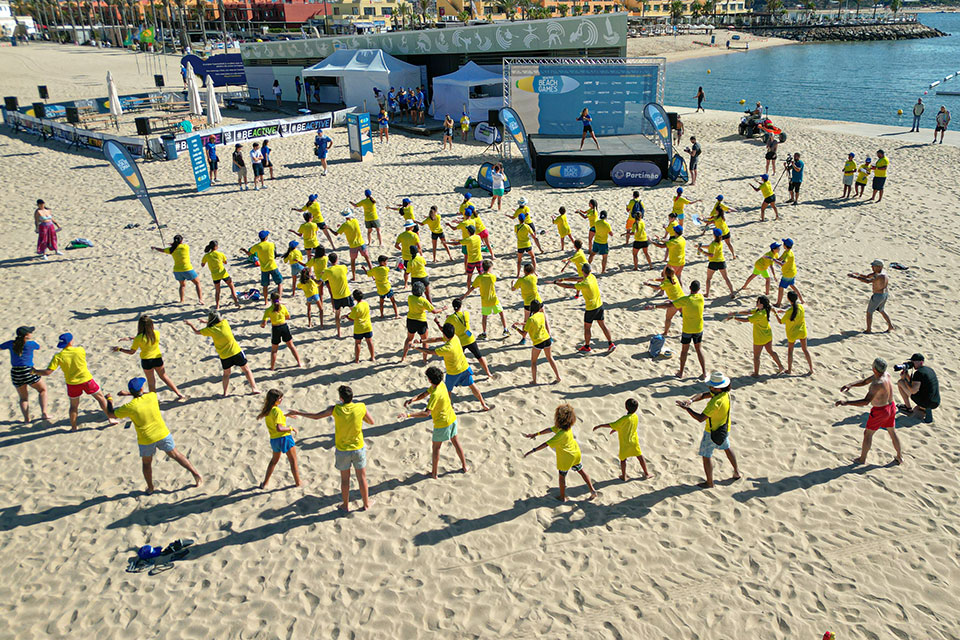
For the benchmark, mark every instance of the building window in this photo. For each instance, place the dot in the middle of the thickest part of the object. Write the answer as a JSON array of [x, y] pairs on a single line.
[[336, 11], [369, 11]]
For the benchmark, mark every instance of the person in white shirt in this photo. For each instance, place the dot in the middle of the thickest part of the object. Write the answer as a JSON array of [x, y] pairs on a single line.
[[256, 159], [497, 176], [943, 119], [917, 112]]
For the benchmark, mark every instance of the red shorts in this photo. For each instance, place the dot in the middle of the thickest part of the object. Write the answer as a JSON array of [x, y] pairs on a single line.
[[89, 387], [484, 234], [882, 417], [473, 266]]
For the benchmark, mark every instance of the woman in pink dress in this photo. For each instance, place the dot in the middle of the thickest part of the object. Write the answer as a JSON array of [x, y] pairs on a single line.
[[46, 228]]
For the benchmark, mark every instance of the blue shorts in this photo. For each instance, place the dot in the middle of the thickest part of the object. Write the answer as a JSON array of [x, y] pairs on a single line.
[[462, 379], [388, 294], [447, 433], [786, 282], [282, 444], [296, 268], [356, 458], [707, 447], [147, 450], [601, 249], [314, 298], [266, 276], [182, 276]]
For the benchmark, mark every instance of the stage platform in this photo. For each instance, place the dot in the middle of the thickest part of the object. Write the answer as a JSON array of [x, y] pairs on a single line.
[[546, 150]]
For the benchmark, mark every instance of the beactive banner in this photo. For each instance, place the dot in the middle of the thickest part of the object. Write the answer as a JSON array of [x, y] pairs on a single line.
[[201, 174], [661, 123], [224, 69], [513, 127], [240, 133], [72, 135]]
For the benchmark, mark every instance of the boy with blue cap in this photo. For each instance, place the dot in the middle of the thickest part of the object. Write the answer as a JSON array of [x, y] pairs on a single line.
[[370, 218], [73, 361], [788, 271], [152, 431], [267, 255], [321, 146]]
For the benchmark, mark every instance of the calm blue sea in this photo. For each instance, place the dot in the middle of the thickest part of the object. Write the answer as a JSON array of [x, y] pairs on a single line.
[[860, 82]]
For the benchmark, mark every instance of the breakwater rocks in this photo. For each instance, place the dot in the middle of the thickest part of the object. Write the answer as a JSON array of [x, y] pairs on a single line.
[[859, 32]]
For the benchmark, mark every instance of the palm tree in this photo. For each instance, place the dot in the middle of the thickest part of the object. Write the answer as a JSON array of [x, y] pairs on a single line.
[[895, 6], [202, 11], [563, 9], [509, 8], [857, 3], [676, 11], [403, 9], [184, 38], [423, 5], [710, 9], [774, 7], [223, 22], [524, 6]]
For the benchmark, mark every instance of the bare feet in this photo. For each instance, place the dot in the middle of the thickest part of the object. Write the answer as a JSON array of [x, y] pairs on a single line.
[[859, 461], [197, 480], [345, 508], [705, 485], [263, 485], [736, 476], [593, 495]]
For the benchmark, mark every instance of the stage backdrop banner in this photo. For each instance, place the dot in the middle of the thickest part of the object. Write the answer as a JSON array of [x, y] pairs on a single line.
[[656, 116], [224, 68], [513, 126], [549, 96], [122, 161], [201, 174]]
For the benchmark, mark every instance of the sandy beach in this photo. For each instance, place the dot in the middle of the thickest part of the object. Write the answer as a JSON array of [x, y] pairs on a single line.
[[684, 47], [805, 543]]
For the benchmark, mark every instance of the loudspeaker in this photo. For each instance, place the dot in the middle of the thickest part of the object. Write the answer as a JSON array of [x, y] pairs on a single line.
[[10, 103], [42, 89], [39, 110], [672, 117], [143, 126], [158, 80], [493, 117], [73, 115]]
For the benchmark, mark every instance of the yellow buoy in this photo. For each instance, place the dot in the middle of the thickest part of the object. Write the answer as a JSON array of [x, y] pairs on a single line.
[[742, 101], [708, 71], [899, 112]]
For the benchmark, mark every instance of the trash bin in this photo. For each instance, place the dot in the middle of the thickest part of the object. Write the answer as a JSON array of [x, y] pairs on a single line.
[[169, 146]]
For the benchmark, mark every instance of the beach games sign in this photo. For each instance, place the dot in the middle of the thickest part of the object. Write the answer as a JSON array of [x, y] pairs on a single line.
[[570, 175], [656, 116], [513, 127], [123, 162]]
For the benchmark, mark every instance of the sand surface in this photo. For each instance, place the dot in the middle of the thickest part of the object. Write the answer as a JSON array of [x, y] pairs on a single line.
[[804, 544], [683, 47]]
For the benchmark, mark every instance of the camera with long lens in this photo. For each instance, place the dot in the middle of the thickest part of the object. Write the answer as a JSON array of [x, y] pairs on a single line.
[[906, 366]]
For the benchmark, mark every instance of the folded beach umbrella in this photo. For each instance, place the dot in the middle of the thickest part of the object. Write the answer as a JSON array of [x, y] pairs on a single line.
[[115, 109], [213, 109], [193, 93]]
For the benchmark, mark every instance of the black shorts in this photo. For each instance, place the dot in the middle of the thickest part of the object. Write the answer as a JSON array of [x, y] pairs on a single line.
[[474, 349], [424, 281], [641, 244], [280, 333], [321, 225], [342, 303], [922, 402], [236, 360], [362, 336], [372, 224], [695, 338], [725, 236], [770, 199], [576, 467], [795, 187], [694, 163], [214, 164], [587, 128], [771, 155], [717, 266], [267, 164], [150, 363], [437, 236], [593, 315], [520, 252], [878, 182], [543, 345], [938, 128], [416, 326]]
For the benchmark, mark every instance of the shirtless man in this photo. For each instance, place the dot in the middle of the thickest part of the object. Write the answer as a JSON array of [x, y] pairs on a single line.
[[879, 281], [883, 411]]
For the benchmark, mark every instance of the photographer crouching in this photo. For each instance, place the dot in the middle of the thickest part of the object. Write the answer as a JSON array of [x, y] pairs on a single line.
[[795, 166], [918, 383]]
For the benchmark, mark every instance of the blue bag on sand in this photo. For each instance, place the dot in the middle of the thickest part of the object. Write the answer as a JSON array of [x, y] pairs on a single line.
[[656, 345]]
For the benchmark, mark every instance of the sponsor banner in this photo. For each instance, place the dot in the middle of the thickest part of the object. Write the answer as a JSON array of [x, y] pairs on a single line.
[[513, 127], [678, 169], [224, 68], [248, 132], [655, 114], [486, 134], [636, 173], [72, 135], [485, 178], [122, 161], [201, 173], [570, 175], [101, 105], [358, 135]]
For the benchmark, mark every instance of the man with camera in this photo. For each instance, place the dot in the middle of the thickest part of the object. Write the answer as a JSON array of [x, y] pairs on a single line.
[[795, 166], [921, 386], [883, 411]]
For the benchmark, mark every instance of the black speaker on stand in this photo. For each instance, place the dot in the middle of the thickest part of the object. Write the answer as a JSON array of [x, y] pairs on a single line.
[[493, 117], [158, 80], [10, 103], [73, 115], [42, 90], [143, 126], [39, 110]]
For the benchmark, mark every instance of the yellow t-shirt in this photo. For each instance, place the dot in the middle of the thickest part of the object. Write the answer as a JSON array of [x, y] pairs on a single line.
[[223, 340], [417, 267], [462, 226], [453, 359], [474, 248], [381, 276], [880, 168], [406, 240], [721, 223], [308, 230], [417, 307], [336, 276], [266, 253], [216, 262], [640, 231], [360, 314], [348, 426], [319, 265], [789, 268], [434, 224], [316, 216], [274, 419], [528, 288], [488, 293], [310, 288], [73, 361], [181, 258], [276, 317], [626, 428], [407, 212], [796, 328], [525, 210], [144, 412], [464, 123], [603, 232], [568, 451], [715, 251], [369, 210], [461, 325], [591, 292], [673, 290], [718, 207], [849, 168], [592, 216], [148, 350], [579, 259], [765, 261], [294, 257], [692, 308], [523, 232], [536, 326], [465, 204], [762, 333], [677, 251], [766, 189], [717, 412], [354, 234], [440, 407], [478, 223], [678, 204], [563, 226], [863, 172]]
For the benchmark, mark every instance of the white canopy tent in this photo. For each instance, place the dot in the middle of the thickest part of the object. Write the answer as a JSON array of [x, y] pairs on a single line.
[[471, 85], [358, 71]]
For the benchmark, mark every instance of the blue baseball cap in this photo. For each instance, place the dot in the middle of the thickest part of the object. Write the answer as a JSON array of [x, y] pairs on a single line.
[[406, 201], [774, 246], [720, 197], [136, 384], [64, 340], [764, 177], [850, 155], [467, 195], [293, 244], [679, 190], [717, 232], [678, 229], [469, 210], [868, 158], [263, 234], [312, 197], [367, 192], [522, 217], [787, 242]]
